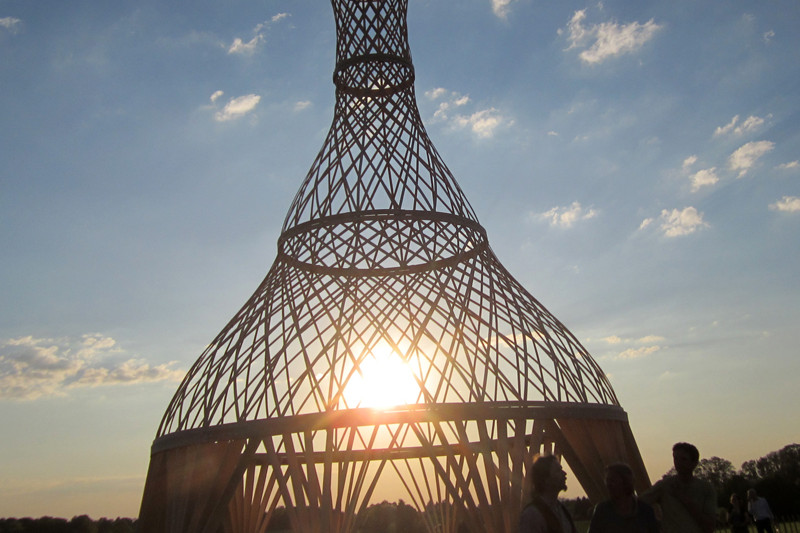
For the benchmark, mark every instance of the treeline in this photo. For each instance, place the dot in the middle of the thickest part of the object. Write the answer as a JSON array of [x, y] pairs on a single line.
[[78, 524], [776, 476]]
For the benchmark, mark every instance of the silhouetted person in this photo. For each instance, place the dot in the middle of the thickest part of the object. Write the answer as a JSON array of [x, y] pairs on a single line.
[[623, 512], [760, 511], [738, 516], [545, 514], [688, 504]]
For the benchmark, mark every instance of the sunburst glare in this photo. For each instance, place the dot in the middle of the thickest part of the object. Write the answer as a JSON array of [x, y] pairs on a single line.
[[385, 380]]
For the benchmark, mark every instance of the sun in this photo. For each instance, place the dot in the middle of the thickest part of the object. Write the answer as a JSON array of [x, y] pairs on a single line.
[[385, 380]]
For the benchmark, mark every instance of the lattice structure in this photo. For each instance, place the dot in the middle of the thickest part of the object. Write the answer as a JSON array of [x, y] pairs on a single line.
[[381, 261]]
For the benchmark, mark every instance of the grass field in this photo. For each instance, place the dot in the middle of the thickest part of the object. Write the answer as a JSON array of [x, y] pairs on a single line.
[[782, 527]]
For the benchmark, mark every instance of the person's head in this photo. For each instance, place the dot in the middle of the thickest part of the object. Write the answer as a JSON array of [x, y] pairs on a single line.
[[735, 499], [619, 480], [685, 458], [752, 494], [548, 476]]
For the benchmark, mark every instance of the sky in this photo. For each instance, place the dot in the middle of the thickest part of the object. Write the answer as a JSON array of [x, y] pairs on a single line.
[[635, 164]]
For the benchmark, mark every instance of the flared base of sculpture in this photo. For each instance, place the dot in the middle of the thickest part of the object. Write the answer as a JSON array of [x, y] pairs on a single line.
[[459, 465]]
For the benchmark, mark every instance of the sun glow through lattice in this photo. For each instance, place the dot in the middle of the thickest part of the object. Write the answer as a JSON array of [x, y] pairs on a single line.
[[384, 380]]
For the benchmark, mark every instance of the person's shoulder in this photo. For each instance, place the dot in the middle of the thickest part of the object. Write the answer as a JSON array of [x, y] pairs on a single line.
[[531, 519], [530, 508], [602, 507], [531, 511], [644, 508], [706, 485], [666, 481], [657, 488], [602, 511]]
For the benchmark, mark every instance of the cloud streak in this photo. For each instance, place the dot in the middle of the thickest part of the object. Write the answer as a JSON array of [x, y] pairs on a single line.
[[603, 41], [787, 204], [647, 339], [791, 165], [568, 216], [734, 127], [32, 368], [248, 47], [302, 105], [634, 348], [743, 159], [501, 8], [638, 353], [678, 222], [704, 178], [236, 107], [451, 110], [11, 24], [482, 123]]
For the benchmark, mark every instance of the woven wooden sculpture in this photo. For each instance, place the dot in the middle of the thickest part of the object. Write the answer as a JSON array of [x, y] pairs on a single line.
[[382, 264]]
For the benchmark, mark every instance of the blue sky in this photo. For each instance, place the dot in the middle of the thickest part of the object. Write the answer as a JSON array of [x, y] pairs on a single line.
[[636, 166]]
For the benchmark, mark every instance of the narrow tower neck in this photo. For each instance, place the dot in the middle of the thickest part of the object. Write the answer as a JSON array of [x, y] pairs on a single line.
[[372, 53]]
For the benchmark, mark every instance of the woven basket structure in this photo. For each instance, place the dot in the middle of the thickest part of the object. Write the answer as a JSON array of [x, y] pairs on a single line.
[[384, 280]]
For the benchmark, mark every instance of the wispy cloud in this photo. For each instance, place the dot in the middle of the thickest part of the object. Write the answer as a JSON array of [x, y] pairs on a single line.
[[788, 204], [701, 178], [249, 46], [743, 159], [607, 39], [501, 7], [279, 16], [300, 106], [448, 101], [237, 107], [791, 165], [241, 47], [704, 178], [10, 23], [634, 348], [482, 123], [750, 124], [647, 339], [452, 109], [677, 222], [638, 353], [435, 94], [651, 338], [566, 217], [31, 368]]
